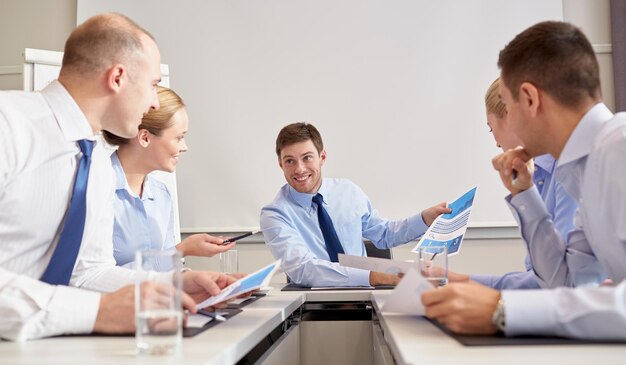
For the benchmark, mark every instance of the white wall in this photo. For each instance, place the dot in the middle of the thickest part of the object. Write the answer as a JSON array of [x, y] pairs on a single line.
[[396, 89], [43, 24], [594, 18]]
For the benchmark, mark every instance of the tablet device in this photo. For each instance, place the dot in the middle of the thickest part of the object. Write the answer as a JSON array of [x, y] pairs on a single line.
[[249, 283]]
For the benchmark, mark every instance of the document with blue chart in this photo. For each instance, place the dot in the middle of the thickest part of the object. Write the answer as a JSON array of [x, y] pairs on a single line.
[[449, 229], [252, 282]]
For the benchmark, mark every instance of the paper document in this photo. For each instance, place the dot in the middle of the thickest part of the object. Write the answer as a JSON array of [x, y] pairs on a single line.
[[406, 297], [377, 264], [449, 229], [197, 320], [244, 285]]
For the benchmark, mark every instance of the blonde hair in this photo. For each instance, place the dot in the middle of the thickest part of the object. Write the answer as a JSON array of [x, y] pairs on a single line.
[[493, 103], [155, 121]]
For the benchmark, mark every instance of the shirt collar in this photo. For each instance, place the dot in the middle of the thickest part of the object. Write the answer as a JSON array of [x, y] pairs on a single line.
[[71, 120], [579, 143], [147, 188], [305, 200], [122, 184], [545, 162]]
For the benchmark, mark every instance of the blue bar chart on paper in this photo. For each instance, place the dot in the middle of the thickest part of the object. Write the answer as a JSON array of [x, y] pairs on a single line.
[[449, 229]]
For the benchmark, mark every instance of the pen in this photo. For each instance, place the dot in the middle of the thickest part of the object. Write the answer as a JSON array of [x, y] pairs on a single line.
[[233, 239], [215, 315], [514, 176]]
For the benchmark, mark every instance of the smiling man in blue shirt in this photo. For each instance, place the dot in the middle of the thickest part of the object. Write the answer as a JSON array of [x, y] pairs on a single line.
[[295, 227]]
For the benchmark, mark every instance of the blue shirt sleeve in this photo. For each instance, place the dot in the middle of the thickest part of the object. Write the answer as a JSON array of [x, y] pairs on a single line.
[[298, 261], [385, 233], [512, 280], [556, 262]]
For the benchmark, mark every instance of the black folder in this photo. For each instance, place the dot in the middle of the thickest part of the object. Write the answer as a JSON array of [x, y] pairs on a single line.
[[190, 332], [294, 287], [501, 340]]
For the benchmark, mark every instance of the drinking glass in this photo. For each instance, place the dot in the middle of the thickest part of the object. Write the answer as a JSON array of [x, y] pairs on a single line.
[[158, 302], [433, 264], [229, 262]]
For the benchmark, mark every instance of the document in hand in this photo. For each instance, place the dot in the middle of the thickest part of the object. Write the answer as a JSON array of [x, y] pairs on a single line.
[[244, 285], [377, 264], [449, 229], [406, 297]]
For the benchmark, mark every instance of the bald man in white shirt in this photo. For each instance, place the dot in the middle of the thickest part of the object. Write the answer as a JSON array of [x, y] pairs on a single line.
[[108, 80]]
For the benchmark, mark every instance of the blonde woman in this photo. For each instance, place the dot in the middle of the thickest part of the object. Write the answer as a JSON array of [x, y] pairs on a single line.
[[559, 204], [144, 216]]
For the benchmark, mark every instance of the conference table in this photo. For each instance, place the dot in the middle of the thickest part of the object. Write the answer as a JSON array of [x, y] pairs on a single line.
[[310, 327]]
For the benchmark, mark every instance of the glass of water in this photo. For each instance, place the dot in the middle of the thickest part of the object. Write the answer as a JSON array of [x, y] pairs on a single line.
[[229, 262], [433, 263], [158, 302]]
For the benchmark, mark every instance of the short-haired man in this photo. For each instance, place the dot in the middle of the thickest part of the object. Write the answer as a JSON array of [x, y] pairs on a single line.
[[56, 184], [559, 204], [313, 219], [551, 89]]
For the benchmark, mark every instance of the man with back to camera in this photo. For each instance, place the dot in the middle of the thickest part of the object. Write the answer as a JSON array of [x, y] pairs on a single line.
[[551, 89], [313, 219], [57, 252]]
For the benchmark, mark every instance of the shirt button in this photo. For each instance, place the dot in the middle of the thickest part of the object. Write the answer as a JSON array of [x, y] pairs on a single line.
[[540, 182]]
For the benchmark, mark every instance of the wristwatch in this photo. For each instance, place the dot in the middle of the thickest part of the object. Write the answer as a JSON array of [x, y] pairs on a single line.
[[498, 318]]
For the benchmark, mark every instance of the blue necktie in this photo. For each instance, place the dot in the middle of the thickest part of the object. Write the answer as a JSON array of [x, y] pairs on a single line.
[[333, 246], [61, 265]]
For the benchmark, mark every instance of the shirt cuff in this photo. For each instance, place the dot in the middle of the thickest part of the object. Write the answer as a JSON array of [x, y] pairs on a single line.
[[486, 280], [416, 225], [529, 312], [73, 310], [359, 277], [528, 205]]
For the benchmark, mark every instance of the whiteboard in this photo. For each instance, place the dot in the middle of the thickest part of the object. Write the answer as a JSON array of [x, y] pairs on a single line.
[[395, 87], [41, 67]]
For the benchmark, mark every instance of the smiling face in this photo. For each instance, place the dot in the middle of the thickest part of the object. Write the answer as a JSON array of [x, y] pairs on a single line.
[[165, 149], [302, 166]]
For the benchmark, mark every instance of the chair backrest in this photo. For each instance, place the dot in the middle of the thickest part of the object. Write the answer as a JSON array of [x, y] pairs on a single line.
[[373, 251], [42, 67]]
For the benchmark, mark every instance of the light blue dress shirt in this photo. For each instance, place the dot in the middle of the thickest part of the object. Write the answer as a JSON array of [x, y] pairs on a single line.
[[292, 232], [141, 223], [561, 207], [592, 169]]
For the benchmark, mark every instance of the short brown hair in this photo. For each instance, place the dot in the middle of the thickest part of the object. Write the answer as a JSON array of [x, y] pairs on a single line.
[[155, 121], [493, 103], [298, 132], [555, 57], [102, 41]]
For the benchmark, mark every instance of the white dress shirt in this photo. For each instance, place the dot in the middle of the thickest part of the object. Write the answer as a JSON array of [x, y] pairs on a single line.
[[592, 169], [38, 162]]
